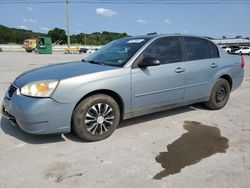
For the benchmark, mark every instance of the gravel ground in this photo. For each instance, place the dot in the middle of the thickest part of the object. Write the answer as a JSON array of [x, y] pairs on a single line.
[[185, 147]]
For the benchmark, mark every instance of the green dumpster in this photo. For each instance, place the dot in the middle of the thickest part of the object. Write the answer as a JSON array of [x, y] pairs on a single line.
[[44, 45]]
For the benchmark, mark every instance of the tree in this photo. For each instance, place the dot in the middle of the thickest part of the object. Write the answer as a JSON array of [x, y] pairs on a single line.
[[57, 34], [153, 33]]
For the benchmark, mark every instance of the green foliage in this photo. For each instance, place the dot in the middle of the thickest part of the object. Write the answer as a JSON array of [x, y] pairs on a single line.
[[12, 35], [153, 33], [58, 34], [97, 38]]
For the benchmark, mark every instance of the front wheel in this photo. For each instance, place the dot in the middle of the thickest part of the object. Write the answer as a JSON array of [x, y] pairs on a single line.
[[220, 95], [96, 117]]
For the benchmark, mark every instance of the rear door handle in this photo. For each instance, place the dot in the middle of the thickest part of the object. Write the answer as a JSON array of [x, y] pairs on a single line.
[[213, 65], [179, 70]]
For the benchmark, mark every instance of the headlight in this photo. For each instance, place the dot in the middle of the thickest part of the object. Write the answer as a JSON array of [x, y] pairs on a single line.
[[43, 88]]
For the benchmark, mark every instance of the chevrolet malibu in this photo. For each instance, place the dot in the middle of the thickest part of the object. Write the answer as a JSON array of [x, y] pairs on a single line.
[[126, 78]]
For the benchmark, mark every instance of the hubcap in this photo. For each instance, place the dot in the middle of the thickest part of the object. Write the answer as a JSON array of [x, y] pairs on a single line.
[[220, 94], [99, 119]]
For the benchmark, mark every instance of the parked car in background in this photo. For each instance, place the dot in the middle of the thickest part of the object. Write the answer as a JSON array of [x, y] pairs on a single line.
[[126, 78], [91, 51], [244, 50], [83, 50], [226, 48], [231, 49]]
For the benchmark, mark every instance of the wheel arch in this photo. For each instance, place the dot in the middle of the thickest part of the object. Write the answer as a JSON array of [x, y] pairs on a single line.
[[229, 79], [108, 92]]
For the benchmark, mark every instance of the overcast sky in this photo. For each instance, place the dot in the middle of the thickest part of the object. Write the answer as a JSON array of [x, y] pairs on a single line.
[[205, 20]]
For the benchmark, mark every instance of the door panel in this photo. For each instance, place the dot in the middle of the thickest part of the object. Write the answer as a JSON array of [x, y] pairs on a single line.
[[157, 86], [162, 85], [201, 65], [199, 73]]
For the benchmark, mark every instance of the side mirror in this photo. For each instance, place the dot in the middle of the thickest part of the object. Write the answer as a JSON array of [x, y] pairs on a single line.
[[149, 61]]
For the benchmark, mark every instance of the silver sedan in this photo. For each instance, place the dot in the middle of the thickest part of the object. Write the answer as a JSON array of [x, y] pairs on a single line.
[[126, 78]]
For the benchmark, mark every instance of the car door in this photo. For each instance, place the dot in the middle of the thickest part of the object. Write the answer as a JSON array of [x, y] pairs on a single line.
[[158, 86], [202, 63]]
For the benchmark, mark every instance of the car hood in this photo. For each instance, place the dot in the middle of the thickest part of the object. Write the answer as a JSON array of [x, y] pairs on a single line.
[[59, 72]]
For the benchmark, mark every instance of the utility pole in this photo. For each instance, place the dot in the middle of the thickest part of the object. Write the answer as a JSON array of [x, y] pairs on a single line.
[[68, 20]]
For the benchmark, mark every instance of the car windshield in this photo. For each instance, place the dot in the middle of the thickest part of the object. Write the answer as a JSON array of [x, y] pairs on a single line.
[[118, 52]]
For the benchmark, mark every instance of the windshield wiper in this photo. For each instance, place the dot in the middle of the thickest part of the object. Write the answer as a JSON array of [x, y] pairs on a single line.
[[92, 62], [98, 63]]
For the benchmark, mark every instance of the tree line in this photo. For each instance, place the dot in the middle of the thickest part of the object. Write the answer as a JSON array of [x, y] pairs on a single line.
[[17, 36]]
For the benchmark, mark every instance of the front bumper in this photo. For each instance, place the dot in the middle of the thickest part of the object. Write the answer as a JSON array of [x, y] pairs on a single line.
[[36, 115]]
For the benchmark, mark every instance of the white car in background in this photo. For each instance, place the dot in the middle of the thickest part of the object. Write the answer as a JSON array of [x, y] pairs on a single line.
[[231, 49], [226, 48], [90, 51], [244, 50]]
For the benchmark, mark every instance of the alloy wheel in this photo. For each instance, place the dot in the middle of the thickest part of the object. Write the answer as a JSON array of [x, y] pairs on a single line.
[[99, 118]]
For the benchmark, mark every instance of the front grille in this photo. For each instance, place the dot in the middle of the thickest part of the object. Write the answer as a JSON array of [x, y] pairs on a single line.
[[11, 90]]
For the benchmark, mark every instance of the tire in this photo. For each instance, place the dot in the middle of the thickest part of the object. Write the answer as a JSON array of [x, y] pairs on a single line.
[[96, 117], [219, 96]]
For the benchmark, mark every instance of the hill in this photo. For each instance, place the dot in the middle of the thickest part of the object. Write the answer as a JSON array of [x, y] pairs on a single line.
[[13, 35]]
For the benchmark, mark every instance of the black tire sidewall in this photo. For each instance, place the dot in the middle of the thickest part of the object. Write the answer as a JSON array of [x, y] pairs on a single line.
[[81, 110], [212, 102]]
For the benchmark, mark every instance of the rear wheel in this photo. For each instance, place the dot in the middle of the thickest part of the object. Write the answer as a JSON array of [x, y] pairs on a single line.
[[96, 117], [220, 95]]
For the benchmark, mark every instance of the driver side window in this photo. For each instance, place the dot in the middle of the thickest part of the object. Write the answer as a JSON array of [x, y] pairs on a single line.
[[167, 50]]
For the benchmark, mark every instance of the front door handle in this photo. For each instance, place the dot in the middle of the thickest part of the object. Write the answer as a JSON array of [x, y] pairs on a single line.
[[213, 65], [179, 70]]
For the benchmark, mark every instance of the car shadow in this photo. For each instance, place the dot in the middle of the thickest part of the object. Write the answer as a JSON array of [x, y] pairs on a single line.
[[148, 117], [16, 132], [158, 115]]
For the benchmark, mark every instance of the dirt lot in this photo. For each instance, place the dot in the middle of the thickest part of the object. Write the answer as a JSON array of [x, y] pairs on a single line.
[[184, 147]]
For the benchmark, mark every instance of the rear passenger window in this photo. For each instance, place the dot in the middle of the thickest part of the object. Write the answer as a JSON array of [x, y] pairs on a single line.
[[167, 50], [213, 50], [197, 48]]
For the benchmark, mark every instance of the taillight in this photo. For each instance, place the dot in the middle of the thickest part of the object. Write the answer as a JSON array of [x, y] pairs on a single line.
[[242, 62]]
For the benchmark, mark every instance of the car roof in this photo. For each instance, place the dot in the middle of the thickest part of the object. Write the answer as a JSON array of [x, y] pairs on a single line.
[[165, 35]]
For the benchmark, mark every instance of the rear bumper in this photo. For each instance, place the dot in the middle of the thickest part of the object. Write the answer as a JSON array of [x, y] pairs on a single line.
[[38, 116], [238, 79]]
